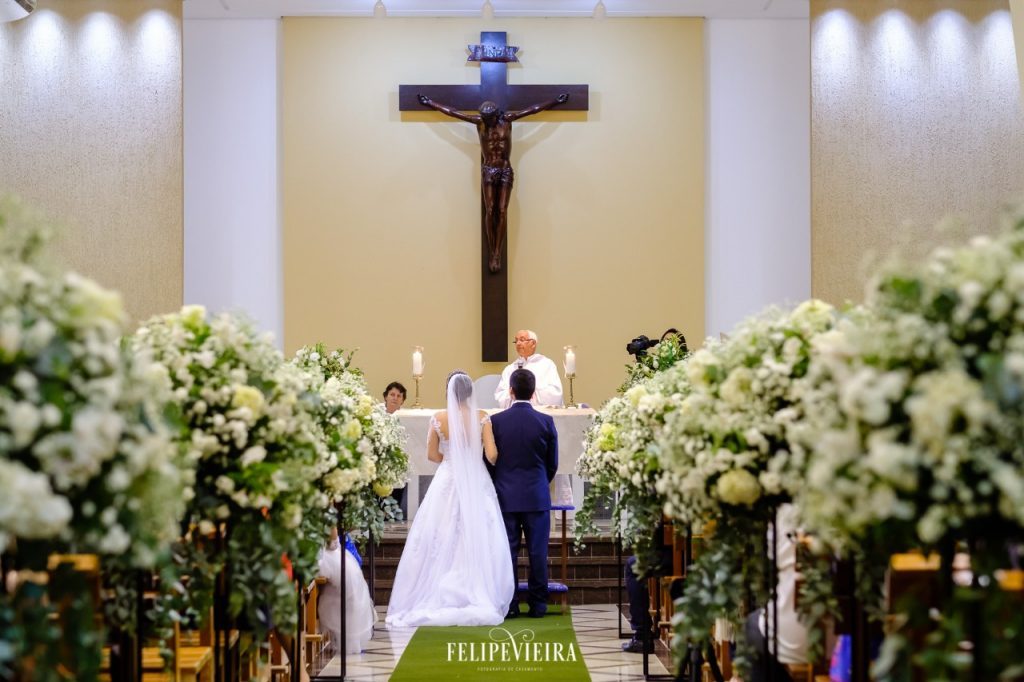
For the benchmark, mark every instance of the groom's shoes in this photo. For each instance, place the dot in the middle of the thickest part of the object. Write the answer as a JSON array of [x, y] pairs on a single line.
[[637, 646], [513, 612], [535, 613]]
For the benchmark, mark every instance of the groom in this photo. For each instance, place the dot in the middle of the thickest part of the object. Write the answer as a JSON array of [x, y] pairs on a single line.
[[527, 461]]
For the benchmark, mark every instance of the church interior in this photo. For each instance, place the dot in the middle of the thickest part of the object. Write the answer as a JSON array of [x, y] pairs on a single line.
[[761, 263]]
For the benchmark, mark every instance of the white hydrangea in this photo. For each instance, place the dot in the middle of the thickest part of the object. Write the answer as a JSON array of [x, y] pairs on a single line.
[[29, 507], [727, 443], [913, 405], [79, 418]]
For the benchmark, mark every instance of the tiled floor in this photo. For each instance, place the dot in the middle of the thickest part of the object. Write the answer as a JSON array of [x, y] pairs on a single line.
[[596, 631]]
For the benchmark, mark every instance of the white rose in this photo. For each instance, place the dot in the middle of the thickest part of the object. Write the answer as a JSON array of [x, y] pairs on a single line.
[[352, 430], [25, 382], [90, 301], [24, 420], [253, 455], [332, 391], [119, 479], [10, 338], [249, 397], [931, 526], [738, 487], [634, 394], [115, 541], [193, 315], [736, 389], [205, 359], [39, 335], [812, 316], [51, 415]]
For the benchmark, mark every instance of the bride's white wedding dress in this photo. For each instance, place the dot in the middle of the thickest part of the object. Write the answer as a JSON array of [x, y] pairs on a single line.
[[456, 568]]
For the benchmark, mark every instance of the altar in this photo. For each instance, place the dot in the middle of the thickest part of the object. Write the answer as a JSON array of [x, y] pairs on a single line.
[[570, 423]]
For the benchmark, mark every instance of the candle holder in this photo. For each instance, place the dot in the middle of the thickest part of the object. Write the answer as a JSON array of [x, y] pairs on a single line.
[[569, 365], [572, 400], [417, 371], [416, 402]]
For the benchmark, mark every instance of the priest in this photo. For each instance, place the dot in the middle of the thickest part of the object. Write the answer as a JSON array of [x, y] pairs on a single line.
[[549, 384]]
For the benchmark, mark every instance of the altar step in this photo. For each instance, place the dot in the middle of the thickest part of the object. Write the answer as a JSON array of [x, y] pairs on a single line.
[[592, 575]]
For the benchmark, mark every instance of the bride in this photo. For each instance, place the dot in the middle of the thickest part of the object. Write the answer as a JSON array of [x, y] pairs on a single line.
[[455, 568]]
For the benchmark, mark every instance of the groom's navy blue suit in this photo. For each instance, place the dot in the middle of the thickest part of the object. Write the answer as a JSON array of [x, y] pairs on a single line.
[[527, 461]]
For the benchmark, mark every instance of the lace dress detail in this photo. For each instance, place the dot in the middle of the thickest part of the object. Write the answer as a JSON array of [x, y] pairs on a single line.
[[456, 568], [442, 440]]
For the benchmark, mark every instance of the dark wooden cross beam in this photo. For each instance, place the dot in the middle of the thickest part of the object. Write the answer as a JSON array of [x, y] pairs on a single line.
[[493, 54]]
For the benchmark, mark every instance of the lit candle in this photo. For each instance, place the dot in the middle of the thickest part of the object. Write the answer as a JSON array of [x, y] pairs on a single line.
[[417, 362], [570, 361]]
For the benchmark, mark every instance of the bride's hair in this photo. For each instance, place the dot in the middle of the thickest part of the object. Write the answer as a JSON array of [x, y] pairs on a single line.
[[463, 387]]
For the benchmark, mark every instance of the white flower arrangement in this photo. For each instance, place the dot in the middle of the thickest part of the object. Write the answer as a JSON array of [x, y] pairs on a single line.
[[256, 455], [725, 449], [724, 460], [915, 424], [914, 438], [619, 457], [87, 464], [367, 442]]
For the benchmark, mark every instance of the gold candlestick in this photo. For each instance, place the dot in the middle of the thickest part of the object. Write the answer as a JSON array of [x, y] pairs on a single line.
[[417, 377], [572, 399]]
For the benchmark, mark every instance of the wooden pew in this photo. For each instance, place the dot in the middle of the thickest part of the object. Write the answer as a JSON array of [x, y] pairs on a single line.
[[313, 638]]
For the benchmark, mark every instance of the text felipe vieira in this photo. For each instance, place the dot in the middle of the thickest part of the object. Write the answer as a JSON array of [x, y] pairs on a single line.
[[506, 650]]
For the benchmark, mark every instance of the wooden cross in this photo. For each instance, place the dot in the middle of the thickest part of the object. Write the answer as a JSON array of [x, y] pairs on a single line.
[[493, 54]]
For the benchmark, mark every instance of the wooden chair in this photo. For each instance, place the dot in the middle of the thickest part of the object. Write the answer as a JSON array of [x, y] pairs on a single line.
[[668, 585], [279, 669], [312, 637], [188, 662], [1011, 581], [801, 672], [721, 640]]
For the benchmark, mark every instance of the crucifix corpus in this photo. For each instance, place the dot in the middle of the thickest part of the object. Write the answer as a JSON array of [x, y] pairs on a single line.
[[497, 104]]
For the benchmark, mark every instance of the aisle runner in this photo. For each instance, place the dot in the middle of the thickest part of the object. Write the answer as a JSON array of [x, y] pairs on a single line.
[[542, 649]]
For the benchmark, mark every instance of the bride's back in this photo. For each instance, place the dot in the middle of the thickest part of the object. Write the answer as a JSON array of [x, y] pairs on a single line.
[[442, 420]]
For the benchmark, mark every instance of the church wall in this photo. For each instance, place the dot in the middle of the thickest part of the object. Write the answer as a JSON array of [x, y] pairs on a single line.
[[1017, 14], [232, 206], [380, 212], [758, 168], [91, 134], [916, 115]]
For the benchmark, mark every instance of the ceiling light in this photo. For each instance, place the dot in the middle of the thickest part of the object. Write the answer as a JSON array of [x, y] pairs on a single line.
[[12, 10]]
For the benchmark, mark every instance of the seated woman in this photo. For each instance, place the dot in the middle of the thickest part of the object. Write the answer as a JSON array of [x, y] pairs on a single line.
[[359, 612], [394, 398]]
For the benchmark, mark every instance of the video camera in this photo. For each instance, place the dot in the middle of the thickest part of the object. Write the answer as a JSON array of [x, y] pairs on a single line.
[[638, 346]]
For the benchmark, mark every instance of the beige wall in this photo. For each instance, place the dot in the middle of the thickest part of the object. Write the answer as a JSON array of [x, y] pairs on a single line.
[[90, 134], [1017, 10], [381, 209], [915, 115]]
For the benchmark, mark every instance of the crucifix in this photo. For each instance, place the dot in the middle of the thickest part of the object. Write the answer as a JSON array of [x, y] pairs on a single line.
[[498, 104]]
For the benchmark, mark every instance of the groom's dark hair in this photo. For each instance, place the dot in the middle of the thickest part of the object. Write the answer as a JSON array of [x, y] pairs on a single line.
[[523, 384]]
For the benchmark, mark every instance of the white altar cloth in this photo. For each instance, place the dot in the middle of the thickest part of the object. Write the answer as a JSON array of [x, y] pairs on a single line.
[[570, 423]]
